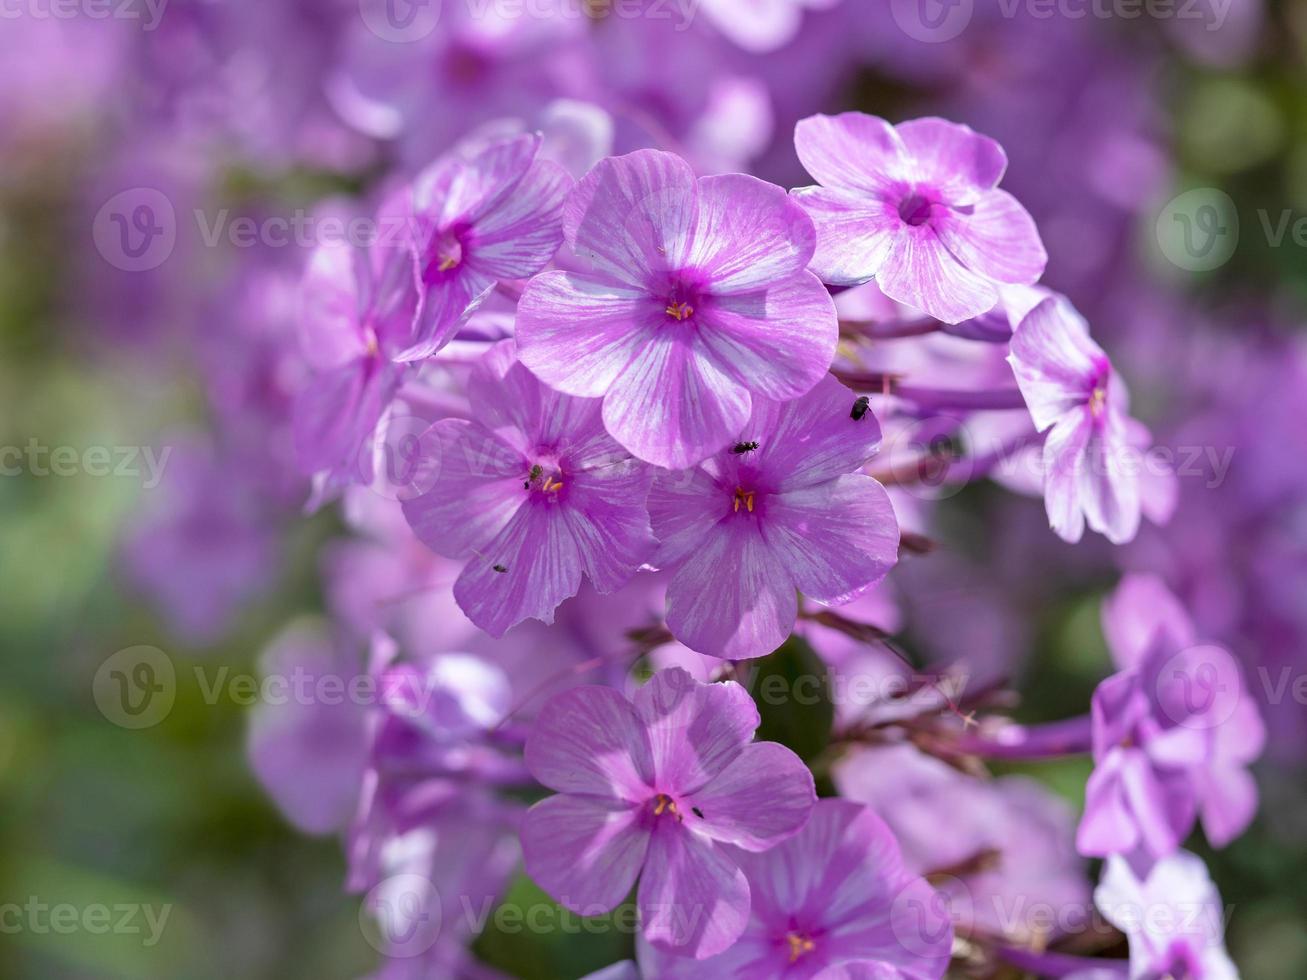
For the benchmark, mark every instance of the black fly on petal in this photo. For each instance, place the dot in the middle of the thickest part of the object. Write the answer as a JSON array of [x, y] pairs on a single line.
[[741, 448], [860, 408], [501, 569]]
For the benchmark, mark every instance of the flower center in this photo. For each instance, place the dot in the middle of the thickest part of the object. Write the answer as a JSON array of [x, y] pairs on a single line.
[[371, 346], [914, 210], [543, 479], [665, 804], [800, 945], [680, 310], [743, 498], [1098, 400], [444, 255]]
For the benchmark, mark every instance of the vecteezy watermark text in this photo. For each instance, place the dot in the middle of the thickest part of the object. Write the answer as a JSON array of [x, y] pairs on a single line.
[[43, 918], [148, 12], [38, 459]]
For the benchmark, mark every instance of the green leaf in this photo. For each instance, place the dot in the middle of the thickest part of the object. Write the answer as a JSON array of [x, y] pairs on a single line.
[[793, 692]]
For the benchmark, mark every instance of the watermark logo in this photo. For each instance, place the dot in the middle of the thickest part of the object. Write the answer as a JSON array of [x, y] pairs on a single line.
[[923, 918], [400, 21], [1200, 687], [400, 916], [1199, 230], [135, 688], [136, 230], [932, 21], [398, 462]]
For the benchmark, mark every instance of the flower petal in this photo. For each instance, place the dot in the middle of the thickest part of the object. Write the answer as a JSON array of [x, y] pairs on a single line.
[[693, 900], [330, 306], [673, 406], [763, 797], [684, 507], [922, 273], [695, 729], [578, 333], [855, 232], [836, 539], [476, 490], [444, 307], [607, 519], [634, 214], [732, 598], [778, 341], [1064, 465], [1110, 483], [590, 741], [1054, 360], [811, 439], [541, 567], [585, 852], [520, 234], [749, 234], [851, 150], [996, 238], [953, 158]]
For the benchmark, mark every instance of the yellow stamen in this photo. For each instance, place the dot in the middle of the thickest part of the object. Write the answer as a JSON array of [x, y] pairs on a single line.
[[745, 497], [799, 945], [550, 485], [1097, 401], [665, 804], [680, 311], [447, 263]]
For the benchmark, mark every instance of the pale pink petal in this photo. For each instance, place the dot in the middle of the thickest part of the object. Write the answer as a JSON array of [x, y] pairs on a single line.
[[633, 214], [921, 272], [585, 852], [1064, 465], [852, 150], [330, 306], [1055, 360], [762, 797], [475, 491], [541, 567], [520, 234], [684, 507], [810, 440], [695, 729], [855, 232], [607, 519], [996, 237], [776, 342], [672, 406], [836, 539], [589, 741], [578, 334], [693, 900], [749, 234], [953, 158], [445, 306], [732, 598], [1110, 484]]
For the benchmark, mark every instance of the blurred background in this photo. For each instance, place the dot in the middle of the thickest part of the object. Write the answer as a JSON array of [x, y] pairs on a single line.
[[148, 498]]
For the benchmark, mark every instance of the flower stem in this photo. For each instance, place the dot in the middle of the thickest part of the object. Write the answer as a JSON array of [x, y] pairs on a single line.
[[1052, 740]]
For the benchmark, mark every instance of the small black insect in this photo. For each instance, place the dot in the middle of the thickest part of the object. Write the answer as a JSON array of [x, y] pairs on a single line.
[[744, 447], [501, 569], [860, 408], [697, 812]]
